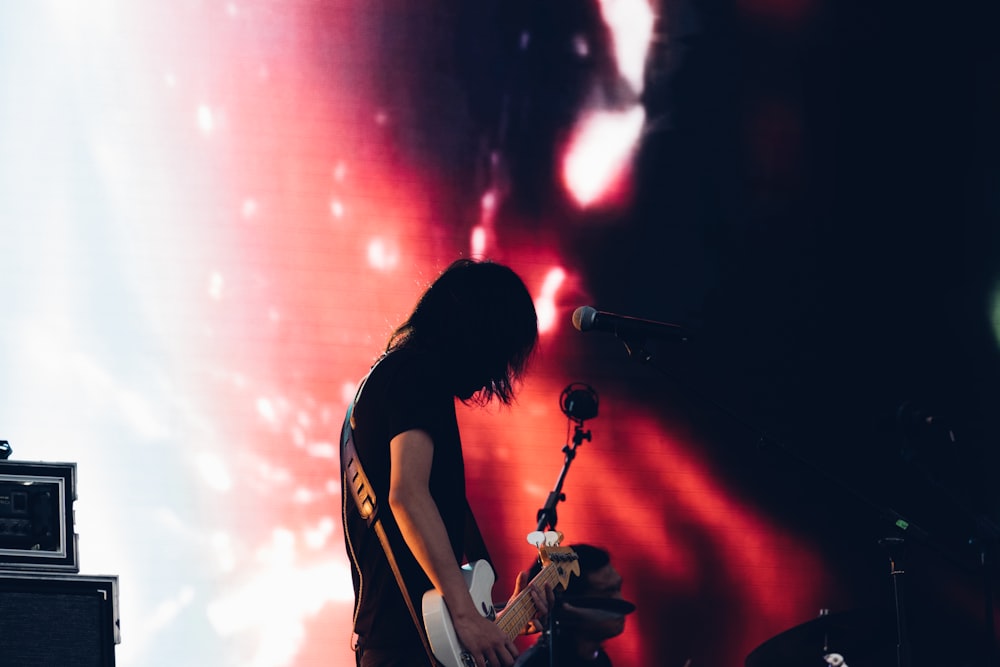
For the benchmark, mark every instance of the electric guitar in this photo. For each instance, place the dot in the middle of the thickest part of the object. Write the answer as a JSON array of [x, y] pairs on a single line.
[[558, 564]]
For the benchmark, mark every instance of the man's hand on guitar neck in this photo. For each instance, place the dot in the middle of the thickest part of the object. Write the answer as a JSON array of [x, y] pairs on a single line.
[[544, 600]]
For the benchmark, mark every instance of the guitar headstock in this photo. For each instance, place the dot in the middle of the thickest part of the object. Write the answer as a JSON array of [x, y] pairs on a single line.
[[563, 561]]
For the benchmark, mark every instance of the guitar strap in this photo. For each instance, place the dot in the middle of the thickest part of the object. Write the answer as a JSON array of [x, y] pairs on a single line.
[[355, 483]]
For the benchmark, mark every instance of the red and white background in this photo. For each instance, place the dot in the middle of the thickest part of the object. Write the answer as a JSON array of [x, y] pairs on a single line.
[[214, 213]]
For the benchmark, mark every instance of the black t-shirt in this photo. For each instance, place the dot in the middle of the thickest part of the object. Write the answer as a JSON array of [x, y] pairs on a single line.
[[404, 391]]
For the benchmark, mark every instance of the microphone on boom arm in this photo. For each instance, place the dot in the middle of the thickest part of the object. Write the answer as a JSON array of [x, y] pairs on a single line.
[[587, 318]]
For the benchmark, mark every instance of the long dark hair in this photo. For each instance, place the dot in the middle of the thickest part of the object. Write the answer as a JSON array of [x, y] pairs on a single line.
[[479, 318]]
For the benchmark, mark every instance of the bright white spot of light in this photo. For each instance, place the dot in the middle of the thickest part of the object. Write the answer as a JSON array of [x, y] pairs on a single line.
[[281, 551], [631, 24], [316, 538], [321, 450], [478, 241], [231, 9], [489, 200], [271, 475], [382, 255], [265, 408], [214, 471], [337, 208], [599, 152], [215, 284], [206, 119], [249, 208], [545, 304], [169, 79], [553, 281]]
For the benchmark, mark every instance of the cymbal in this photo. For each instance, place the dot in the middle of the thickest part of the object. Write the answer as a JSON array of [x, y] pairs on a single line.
[[860, 636]]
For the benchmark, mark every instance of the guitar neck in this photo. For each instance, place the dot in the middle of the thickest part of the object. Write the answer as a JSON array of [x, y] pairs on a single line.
[[523, 609]]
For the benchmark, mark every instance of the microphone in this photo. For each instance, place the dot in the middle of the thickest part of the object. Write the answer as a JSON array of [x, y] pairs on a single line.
[[586, 318]]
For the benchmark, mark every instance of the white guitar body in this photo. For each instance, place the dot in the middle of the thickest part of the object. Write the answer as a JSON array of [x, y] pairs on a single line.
[[558, 564], [479, 578]]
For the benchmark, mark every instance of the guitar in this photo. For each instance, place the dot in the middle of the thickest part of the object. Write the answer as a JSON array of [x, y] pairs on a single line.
[[558, 564]]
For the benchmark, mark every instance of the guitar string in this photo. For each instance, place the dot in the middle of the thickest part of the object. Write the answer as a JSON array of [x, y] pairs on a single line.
[[523, 608]]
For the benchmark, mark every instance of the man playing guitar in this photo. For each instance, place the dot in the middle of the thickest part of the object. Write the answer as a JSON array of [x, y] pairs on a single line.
[[468, 338]]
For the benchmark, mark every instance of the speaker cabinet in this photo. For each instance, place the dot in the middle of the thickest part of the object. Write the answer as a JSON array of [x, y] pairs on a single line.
[[58, 620], [36, 516]]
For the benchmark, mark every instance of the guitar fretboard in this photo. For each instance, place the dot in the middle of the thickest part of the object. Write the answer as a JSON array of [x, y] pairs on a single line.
[[522, 609]]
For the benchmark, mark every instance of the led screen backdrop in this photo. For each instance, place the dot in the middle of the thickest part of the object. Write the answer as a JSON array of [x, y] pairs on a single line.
[[214, 213]]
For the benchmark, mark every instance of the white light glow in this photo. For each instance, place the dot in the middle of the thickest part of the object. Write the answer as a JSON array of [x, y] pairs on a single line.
[[267, 411], [249, 208], [322, 450], [631, 23], [382, 255], [478, 241], [215, 285], [214, 471], [205, 119], [545, 303], [316, 538], [599, 152]]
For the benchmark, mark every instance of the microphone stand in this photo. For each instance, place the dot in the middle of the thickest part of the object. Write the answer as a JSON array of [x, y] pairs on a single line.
[[547, 515], [895, 546]]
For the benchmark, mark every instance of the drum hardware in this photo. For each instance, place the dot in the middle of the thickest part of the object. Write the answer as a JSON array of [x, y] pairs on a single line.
[[856, 638]]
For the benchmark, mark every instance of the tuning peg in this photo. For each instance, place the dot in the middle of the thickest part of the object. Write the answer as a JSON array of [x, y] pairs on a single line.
[[550, 538]]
